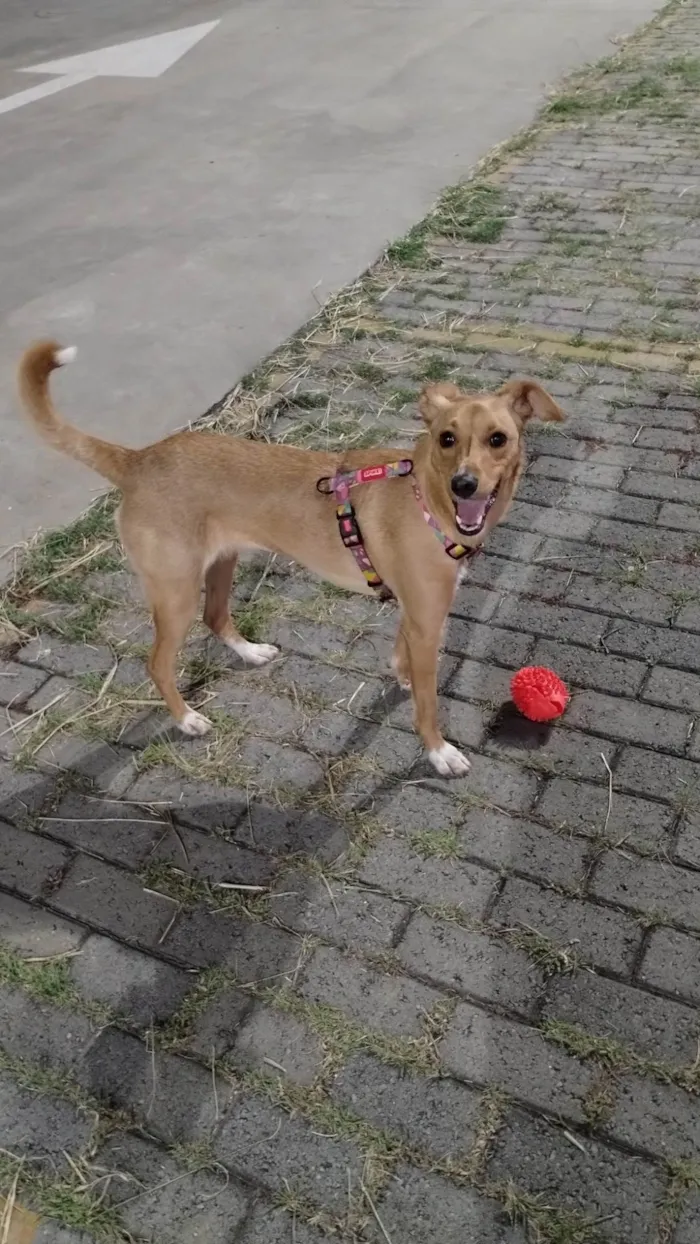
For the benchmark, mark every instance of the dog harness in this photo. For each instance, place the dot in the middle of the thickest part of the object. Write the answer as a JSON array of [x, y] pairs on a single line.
[[349, 527]]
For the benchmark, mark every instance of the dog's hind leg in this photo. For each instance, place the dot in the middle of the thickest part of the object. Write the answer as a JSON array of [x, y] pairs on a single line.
[[174, 605], [217, 615]]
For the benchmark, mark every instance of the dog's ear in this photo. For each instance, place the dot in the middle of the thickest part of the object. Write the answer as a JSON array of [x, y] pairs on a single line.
[[435, 399], [528, 400]]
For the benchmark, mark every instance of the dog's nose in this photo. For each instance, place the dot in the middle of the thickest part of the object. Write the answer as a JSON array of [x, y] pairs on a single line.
[[464, 485]]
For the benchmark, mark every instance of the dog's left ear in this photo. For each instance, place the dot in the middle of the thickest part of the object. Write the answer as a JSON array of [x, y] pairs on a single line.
[[435, 399], [528, 400]]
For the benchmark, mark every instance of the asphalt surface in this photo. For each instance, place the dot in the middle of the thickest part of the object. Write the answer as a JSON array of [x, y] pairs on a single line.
[[178, 228]]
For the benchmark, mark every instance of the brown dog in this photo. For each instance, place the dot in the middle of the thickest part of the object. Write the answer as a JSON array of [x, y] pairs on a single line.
[[192, 502]]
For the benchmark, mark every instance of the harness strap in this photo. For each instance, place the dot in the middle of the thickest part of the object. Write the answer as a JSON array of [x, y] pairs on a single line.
[[455, 551], [339, 485]]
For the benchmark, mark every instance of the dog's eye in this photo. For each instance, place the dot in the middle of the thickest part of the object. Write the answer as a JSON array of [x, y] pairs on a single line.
[[447, 439], [497, 440]]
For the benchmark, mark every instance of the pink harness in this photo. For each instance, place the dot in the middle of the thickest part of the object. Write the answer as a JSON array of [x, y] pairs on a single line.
[[349, 527]]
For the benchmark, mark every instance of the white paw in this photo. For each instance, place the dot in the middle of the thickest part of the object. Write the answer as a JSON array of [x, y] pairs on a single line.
[[194, 724], [253, 654], [402, 679], [449, 761]]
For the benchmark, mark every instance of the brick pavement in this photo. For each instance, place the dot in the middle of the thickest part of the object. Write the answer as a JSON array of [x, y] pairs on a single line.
[[284, 985]]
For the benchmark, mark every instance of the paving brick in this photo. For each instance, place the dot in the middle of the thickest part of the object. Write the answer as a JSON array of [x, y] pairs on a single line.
[[688, 844], [629, 720], [71, 660], [554, 621], [470, 963], [29, 863], [558, 750], [510, 576], [265, 827], [581, 667], [157, 1199], [276, 1226], [103, 766], [660, 1118], [383, 754], [392, 1004], [61, 694], [618, 598], [266, 1145], [117, 831], [654, 1027], [607, 939], [39, 1128], [174, 1098], [420, 1209], [688, 1229], [396, 868], [498, 783], [216, 1026], [590, 474], [142, 989], [472, 602], [253, 951], [665, 487], [633, 536], [652, 773], [114, 901], [511, 844], [672, 964], [655, 644], [439, 1115], [274, 1042], [548, 521], [649, 886], [281, 766], [413, 809], [668, 686], [688, 618], [343, 914], [23, 793], [681, 517], [583, 809], [211, 857], [31, 931], [597, 1181], [18, 683], [490, 1051], [192, 802], [473, 639], [46, 1035]]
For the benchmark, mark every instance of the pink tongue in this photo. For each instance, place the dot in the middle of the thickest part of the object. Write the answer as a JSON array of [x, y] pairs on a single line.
[[470, 513]]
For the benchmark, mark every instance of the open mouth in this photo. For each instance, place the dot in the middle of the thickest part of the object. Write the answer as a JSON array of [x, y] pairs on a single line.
[[470, 515]]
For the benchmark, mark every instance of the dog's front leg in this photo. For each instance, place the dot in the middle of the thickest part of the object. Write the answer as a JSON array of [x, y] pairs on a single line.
[[423, 644]]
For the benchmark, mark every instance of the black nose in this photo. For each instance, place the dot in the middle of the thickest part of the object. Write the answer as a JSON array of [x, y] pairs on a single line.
[[464, 485]]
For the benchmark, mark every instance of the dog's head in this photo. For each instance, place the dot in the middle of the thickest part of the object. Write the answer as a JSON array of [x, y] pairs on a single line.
[[475, 451]]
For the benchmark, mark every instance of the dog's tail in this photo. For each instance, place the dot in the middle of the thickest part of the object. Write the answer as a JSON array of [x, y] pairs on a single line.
[[36, 365]]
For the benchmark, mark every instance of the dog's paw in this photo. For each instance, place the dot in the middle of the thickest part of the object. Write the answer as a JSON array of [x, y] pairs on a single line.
[[449, 761], [401, 675], [254, 654], [194, 724]]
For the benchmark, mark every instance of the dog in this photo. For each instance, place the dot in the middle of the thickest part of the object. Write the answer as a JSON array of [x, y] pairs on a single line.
[[191, 503]]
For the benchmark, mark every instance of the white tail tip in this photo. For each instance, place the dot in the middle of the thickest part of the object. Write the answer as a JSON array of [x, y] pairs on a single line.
[[66, 355]]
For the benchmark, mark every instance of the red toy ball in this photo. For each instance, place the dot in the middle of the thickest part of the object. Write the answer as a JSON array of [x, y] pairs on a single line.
[[538, 693]]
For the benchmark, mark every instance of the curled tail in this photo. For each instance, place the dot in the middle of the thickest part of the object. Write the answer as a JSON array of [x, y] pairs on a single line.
[[36, 365]]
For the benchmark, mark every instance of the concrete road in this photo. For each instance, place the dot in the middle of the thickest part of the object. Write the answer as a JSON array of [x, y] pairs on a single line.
[[177, 228]]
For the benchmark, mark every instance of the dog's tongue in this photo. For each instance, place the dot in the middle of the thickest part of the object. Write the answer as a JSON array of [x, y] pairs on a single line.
[[471, 513]]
